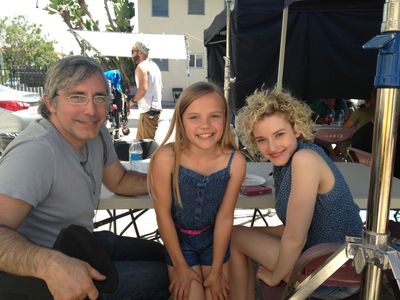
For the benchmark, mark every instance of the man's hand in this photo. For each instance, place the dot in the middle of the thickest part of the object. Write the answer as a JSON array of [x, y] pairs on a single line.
[[69, 278], [132, 104]]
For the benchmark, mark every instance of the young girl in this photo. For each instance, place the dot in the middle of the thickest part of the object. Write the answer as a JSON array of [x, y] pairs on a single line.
[[313, 200], [195, 192]]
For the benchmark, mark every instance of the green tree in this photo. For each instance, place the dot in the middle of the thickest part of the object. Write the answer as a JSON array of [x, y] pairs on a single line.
[[76, 15], [23, 45]]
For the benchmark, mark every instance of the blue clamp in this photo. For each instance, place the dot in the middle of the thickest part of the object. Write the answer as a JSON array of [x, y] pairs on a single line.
[[388, 62]]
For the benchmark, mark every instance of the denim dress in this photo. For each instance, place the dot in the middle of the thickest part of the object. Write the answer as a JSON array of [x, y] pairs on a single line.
[[335, 213], [201, 197]]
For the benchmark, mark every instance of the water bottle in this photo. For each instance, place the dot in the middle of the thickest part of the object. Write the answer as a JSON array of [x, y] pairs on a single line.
[[135, 154]]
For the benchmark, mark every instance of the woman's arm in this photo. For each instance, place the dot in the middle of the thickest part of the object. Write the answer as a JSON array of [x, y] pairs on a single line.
[[352, 121], [224, 221], [161, 172], [300, 210]]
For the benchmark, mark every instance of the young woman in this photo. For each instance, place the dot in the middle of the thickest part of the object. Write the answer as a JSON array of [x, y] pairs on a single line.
[[195, 191], [313, 200]]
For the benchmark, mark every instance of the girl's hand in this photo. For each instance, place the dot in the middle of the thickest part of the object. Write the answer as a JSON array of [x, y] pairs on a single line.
[[266, 275], [218, 285], [181, 280]]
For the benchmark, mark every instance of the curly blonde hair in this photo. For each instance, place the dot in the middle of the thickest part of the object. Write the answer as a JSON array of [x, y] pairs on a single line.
[[263, 103]]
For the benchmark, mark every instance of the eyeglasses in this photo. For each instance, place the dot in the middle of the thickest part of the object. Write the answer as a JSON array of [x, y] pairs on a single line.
[[83, 99], [134, 51]]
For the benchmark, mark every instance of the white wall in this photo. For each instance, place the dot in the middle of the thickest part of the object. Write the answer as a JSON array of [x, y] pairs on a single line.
[[179, 22]]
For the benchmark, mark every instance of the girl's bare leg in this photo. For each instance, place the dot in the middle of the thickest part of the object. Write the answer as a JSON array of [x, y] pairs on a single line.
[[206, 270], [196, 288]]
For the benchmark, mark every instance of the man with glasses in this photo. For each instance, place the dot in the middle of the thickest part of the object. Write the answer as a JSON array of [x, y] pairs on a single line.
[[148, 93], [51, 177]]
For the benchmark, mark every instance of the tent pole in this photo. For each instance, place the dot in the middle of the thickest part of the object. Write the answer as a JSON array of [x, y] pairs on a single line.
[[227, 73], [187, 60], [281, 62]]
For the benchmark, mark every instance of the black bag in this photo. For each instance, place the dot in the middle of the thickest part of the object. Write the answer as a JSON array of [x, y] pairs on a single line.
[[122, 148], [78, 242]]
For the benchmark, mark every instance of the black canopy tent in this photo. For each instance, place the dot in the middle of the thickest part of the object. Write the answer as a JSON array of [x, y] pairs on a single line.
[[324, 55], [331, 63], [215, 42]]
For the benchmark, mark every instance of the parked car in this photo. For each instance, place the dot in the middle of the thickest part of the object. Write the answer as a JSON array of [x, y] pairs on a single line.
[[13, 83], [22, 105]]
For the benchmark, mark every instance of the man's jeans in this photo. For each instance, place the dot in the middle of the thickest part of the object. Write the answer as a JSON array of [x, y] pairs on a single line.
[[140, 264], [141, 271]]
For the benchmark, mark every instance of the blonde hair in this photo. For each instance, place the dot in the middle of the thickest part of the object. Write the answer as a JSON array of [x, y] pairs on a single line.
[[186, 98], [263, 103]]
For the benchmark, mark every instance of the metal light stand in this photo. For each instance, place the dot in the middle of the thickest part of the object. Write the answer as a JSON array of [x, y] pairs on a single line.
[[371, 250], [227, 70]]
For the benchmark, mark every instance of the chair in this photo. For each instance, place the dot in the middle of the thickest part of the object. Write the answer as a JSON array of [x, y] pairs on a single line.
[[122, 150], [359, 156], [334, 135], [307, 263], [340, 137]]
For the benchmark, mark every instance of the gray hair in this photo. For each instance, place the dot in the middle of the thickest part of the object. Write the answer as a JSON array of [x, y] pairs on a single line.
[[67, 73], [143, 47]]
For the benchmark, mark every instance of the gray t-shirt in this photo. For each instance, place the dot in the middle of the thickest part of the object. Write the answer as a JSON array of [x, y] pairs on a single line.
[[63, 185]]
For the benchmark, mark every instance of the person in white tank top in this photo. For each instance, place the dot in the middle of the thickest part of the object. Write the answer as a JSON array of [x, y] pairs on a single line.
[[148, 94]]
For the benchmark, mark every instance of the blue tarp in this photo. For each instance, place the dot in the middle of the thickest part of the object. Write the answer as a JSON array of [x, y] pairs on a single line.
[[115, 77]]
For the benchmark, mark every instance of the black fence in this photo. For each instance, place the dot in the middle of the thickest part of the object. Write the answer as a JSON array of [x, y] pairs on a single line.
[[23, 79]]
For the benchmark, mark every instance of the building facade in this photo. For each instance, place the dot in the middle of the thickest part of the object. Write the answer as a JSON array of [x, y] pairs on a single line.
[[187, 17]]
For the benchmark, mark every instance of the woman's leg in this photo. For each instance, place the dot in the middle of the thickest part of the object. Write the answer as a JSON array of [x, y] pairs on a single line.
[[250, 242]]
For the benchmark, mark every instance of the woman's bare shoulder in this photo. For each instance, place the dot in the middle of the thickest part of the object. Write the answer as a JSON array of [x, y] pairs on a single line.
[[306, 158]]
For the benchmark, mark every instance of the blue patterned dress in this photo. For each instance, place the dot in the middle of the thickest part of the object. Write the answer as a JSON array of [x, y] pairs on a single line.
[[335, 213]]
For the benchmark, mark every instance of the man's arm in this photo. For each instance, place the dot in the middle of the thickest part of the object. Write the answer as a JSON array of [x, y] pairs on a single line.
[[142, 84], [65, 276], [121, 181]]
